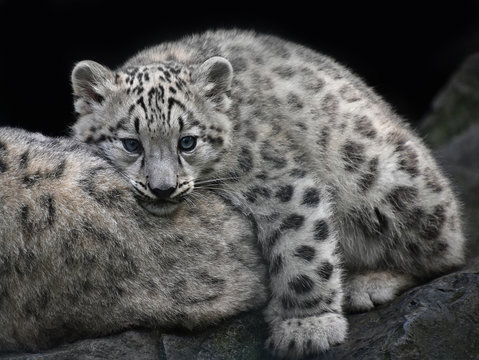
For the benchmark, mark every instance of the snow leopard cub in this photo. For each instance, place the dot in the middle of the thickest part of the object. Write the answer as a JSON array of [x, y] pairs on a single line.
[[349, 205]]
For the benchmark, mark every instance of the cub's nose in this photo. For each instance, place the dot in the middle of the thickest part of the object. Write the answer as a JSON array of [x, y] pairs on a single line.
[[161, 193]]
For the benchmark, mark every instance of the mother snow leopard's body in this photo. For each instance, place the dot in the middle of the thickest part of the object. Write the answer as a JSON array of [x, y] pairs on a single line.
[[79, 258], [336, 182]]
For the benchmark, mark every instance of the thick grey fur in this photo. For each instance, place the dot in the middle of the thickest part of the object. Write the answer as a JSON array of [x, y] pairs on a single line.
[[80, 258]]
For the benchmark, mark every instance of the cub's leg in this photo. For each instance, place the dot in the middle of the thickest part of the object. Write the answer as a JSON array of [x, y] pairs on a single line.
[[364, 291], [304, 313]]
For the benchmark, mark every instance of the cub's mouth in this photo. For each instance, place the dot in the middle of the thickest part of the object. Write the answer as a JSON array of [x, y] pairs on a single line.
[[159, 207]]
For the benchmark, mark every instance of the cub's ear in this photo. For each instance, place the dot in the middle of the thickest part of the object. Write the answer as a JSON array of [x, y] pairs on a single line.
[[91, 82], [214, 78]]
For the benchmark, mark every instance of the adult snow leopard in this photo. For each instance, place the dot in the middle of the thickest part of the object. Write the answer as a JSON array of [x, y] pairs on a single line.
[[80, 258], [349, 205]]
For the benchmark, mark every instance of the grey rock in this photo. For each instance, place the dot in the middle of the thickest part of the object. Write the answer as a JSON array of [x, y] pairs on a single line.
[[463, 149], [456, 107], [439, 320], [241, 338], [465, 181], [452, 128], [129, 345]]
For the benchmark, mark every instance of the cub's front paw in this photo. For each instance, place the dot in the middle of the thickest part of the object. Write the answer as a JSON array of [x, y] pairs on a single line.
[[298, 337]]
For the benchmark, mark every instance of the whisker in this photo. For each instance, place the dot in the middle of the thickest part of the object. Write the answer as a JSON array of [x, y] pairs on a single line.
[[210, 188], [200, 182], [189, 202]]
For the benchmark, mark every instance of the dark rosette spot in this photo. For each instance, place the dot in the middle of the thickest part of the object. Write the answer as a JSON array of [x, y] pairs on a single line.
[[325, 270], [301, 284], [321, 230], [305, 252]]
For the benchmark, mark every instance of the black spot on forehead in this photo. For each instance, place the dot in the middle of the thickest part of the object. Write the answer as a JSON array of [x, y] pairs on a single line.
[[131, 109], [141, 102], [173, 102], [137, 125], [151, 95], [181, 123]]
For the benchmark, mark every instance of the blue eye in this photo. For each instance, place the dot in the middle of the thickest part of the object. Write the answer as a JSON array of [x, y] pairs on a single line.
[[187, 143], [132, 145]]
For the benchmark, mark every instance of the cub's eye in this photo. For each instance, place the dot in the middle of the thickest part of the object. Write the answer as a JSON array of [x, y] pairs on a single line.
[[132, 145], [187, 143]]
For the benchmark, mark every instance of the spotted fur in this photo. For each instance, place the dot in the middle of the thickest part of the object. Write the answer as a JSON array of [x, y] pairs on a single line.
[[80, 258], [344, 195]]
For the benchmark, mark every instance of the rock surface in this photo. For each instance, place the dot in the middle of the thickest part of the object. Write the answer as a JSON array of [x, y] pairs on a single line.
[[241, 338], [456, 107], [438, 320], [452, 128], [134, 345]]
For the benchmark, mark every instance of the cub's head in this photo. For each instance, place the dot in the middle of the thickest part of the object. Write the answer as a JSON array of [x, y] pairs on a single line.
[[163, 125]]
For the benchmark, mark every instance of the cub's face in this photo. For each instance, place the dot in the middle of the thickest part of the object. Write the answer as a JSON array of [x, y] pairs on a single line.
[[164, 126]]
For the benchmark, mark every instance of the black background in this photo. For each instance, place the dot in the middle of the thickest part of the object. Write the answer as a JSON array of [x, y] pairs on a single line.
[[406, 51]]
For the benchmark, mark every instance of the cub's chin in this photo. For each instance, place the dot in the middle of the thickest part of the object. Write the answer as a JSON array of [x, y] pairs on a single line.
[[159, 207]]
